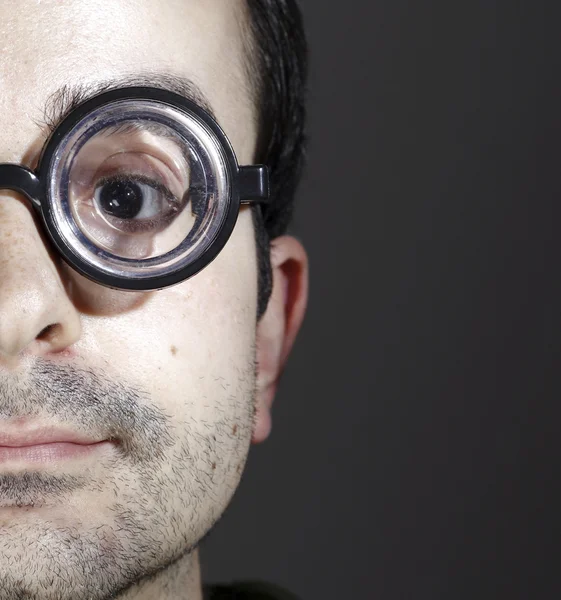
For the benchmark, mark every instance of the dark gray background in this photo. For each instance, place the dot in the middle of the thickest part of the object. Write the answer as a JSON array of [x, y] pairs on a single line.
[[415, 448]]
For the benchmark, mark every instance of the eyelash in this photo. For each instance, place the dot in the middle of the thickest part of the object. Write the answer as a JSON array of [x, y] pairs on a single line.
[[157, 185]]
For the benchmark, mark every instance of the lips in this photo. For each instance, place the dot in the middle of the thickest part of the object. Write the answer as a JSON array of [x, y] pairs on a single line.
[[35, 437]]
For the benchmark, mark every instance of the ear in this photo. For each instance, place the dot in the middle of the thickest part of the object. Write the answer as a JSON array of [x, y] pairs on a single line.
[[277, 328]]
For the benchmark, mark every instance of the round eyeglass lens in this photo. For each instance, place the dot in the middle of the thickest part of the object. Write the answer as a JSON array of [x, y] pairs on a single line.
[[139, 188]]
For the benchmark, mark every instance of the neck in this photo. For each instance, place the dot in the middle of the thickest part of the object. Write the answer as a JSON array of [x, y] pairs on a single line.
[[180, 581]]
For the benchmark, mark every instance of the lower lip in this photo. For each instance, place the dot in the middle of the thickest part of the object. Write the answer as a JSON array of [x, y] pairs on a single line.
[[48, 453]]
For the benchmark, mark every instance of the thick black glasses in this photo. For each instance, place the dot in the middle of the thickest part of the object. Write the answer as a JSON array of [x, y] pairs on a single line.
[[138, 188]]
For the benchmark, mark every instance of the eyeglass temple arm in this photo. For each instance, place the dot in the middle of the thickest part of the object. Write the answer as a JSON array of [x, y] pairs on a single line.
[[20, 179], [253, 182]]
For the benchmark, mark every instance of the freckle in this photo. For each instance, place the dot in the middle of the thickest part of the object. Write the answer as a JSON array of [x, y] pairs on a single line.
[[173, 350], [234, 429], [213, 466]]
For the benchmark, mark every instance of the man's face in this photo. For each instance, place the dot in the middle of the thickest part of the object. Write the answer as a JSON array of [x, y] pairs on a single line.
[[170, 374]]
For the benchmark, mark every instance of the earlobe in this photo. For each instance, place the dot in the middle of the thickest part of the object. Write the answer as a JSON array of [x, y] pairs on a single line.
[[278, 327]]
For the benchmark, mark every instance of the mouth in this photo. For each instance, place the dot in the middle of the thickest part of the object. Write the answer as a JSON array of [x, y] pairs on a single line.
[[46, 445], [48, 453]]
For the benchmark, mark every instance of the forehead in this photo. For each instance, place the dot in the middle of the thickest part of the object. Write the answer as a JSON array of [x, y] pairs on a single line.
[[52, 43]]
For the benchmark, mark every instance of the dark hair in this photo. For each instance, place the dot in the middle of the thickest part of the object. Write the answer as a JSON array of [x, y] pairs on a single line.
[[277, 68]]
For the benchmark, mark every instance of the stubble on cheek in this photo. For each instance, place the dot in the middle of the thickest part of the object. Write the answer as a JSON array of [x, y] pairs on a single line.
[[173, 503]]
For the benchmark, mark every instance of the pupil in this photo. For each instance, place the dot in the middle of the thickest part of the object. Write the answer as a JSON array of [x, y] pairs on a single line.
[[121, 199]]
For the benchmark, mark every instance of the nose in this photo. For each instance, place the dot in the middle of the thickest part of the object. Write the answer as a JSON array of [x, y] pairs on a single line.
[[36, 313]]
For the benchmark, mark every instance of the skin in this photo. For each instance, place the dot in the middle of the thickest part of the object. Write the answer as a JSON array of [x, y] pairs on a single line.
[[184, 378]]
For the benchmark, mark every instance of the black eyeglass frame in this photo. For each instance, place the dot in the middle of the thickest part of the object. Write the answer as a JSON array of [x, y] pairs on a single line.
[[248, 185]]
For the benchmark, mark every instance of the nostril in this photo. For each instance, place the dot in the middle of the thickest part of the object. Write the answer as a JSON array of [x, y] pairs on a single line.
[[48, 333], [53, 339]]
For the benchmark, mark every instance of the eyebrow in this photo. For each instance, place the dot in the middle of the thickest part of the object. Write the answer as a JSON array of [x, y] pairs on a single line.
[[60, 103]]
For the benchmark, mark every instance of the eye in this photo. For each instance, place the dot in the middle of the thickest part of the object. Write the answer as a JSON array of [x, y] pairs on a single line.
[[133, 197]]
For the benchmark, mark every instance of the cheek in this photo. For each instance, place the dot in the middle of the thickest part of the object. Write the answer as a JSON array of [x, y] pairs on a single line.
[[181, 341]]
